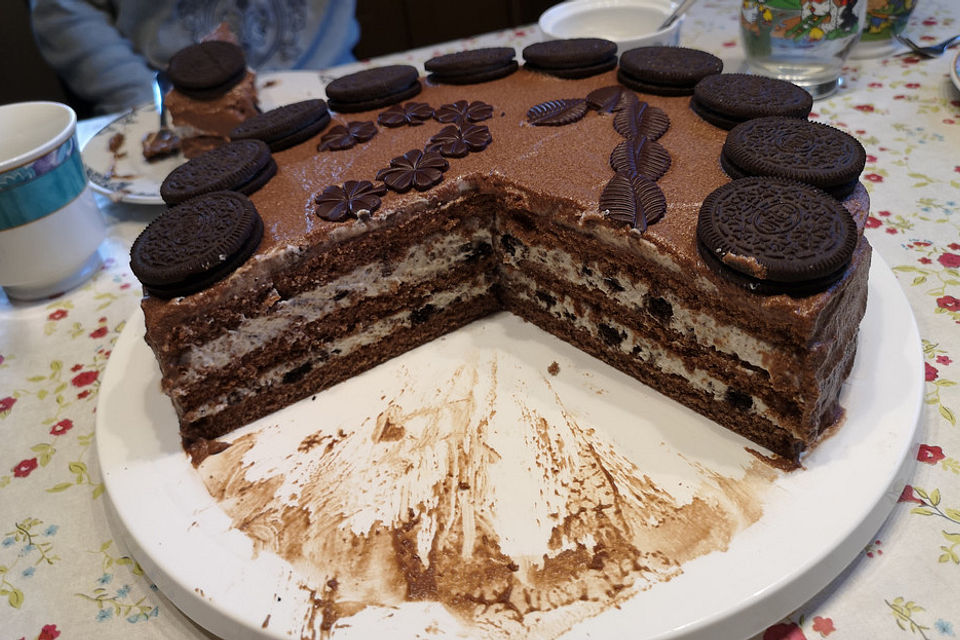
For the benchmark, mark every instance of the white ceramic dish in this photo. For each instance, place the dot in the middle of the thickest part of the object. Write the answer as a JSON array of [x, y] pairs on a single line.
[[187, 544], [629, 23], [128, 177]]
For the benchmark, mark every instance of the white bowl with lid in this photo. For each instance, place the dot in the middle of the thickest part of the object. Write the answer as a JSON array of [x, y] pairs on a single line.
[[628, 23]]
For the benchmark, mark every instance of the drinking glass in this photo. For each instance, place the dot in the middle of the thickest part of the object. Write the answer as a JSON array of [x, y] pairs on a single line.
[[803, 41]]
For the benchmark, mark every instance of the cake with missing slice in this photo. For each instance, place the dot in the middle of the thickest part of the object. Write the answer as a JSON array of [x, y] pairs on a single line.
[[573, 203]]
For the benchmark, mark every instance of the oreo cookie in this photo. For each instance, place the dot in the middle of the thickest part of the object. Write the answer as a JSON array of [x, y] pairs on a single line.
[[373, 88], [196, 243], [241, 165], [796, 149], [666, 71], [571, 58], [207, 70], [472, 67], [727, 99], [285, 126], [776, 236], [575, 73]]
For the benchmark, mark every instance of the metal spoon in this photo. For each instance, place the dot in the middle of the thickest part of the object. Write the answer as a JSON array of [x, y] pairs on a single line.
[[933, 51], [679, 11], [161, 85], [164, 141]]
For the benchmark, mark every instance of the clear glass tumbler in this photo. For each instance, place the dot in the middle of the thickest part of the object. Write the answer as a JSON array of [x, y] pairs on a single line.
[[803, 41]]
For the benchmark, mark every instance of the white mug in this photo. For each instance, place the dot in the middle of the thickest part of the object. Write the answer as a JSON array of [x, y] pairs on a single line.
[[50, 224]]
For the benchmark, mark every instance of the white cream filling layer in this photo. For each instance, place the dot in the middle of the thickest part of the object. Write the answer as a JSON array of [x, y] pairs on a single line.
[[343, 347], [421, 263], [707, 331], [637, 346]]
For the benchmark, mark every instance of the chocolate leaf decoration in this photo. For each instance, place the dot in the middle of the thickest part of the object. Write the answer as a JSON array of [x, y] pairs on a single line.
[[555, 113], [640, 155], [610, 99], [461, 111], [632, 199], [341, 137], [455, 142], [411, 113], [337, 203], [415, 168], [640, 119]]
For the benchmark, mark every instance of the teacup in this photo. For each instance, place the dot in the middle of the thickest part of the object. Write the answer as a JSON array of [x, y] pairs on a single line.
[[885, 20], [50, 224]]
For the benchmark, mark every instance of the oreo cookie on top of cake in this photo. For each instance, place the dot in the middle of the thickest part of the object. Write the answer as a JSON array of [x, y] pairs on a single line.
[[563, 191]]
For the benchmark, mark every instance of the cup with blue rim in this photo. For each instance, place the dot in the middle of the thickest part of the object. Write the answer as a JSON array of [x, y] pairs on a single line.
[[50, 225]]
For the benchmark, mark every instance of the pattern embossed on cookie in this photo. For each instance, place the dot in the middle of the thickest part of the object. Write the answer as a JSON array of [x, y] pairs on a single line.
[[194, 244], [772, 235]]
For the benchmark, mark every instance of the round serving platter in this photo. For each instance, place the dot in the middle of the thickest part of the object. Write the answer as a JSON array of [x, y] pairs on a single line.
[[191, 547]]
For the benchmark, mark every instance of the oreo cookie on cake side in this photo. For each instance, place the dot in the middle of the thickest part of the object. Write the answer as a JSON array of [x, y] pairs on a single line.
[[776, 236], [666, 71], [196, 243], [373, 88], [285, 126], [207, 70], [242, 165], [727, 99], [571, 58], [472, 66], [796, 149]]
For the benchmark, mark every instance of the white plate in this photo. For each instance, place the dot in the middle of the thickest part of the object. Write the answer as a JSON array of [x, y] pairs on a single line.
[[813, 523], [128, 177], [955, 71]]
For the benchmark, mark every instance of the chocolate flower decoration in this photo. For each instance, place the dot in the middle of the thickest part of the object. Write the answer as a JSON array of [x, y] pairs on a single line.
[[461, 111], [341, 137], [420, 169], [337, 203], [411, 113], [455, 142]]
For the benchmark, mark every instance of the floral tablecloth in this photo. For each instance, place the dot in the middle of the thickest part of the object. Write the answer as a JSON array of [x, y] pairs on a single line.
[[64, 570]]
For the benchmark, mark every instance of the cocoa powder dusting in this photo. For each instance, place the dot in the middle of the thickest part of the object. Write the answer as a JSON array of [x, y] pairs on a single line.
[[520, 526]]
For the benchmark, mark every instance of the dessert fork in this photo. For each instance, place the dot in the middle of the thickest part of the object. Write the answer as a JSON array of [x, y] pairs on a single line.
[[933, 51]]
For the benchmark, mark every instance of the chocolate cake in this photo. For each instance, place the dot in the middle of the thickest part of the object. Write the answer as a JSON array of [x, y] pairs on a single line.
[[521, 194]]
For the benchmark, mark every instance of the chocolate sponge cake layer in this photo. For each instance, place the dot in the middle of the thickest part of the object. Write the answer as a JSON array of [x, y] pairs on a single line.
[[516, 227]]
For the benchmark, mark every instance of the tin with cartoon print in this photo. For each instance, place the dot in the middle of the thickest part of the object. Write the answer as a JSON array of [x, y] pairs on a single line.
[[803, 41]]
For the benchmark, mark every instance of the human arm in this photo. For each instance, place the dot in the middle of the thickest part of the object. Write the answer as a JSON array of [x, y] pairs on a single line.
[[80, 40]]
